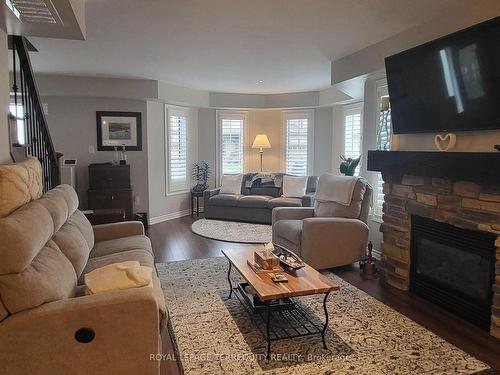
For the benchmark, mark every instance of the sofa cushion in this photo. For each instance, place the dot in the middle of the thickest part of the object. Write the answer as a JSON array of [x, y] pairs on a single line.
[[57, 206], [294, 186], [19, 184], [144, 257], [231, 184], [22, 235], [254, 201], [79, 220], [284, 202], [73, 244], [227, 200], [121, 244], [49, 277], [291, 230], [334, 209]]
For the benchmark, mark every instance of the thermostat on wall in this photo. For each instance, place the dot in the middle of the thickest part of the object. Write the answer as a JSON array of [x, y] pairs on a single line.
[[69, 162]]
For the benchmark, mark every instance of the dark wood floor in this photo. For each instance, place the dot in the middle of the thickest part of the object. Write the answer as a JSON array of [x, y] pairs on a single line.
[[173, 240]]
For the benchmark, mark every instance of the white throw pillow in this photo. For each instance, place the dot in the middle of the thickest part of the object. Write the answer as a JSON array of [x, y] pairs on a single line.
[[294, 187], [231, 184]]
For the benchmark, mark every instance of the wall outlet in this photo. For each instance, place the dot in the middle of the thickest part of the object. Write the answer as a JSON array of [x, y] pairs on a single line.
[[91, 149], [137, 200]]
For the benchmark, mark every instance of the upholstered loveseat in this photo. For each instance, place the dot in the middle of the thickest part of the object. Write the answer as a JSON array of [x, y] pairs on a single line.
[[47, 323], [255, 202]]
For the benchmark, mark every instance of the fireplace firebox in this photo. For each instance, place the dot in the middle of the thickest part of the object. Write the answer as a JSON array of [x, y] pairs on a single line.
[[454, 268]]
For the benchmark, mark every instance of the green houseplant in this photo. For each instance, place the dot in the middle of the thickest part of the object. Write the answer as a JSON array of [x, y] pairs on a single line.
[[348, 165]]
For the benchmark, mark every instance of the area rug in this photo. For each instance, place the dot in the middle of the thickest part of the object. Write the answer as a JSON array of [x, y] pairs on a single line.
[[215, 335], [232, 231]]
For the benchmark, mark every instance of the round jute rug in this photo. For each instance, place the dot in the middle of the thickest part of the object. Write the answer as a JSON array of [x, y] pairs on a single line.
[[232, 231]]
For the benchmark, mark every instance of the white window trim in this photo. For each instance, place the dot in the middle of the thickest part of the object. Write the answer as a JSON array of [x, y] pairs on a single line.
[[299, 114], [181, 188], [347, 110], [381, 89], [218, 136]]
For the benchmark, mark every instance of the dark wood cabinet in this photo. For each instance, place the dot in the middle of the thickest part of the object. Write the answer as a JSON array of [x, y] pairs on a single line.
[[108, 176], [109, 187]]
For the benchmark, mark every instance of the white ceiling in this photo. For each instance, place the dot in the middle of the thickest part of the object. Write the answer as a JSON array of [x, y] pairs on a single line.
[[229, 45]]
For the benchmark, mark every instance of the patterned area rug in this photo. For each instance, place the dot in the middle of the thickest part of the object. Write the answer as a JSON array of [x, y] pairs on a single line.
[[232, 231], [215, 335]]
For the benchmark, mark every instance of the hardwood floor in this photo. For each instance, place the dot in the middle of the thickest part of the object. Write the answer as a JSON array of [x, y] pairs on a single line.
[[173, 240]]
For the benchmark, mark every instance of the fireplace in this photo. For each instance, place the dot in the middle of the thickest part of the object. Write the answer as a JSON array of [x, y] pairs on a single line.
[[453, 267], [441, 229]]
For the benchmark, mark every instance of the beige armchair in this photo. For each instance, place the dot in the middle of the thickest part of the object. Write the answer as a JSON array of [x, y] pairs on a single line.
[[328, 234]]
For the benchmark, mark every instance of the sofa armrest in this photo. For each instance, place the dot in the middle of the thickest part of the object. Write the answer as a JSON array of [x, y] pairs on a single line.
[[308, 200], [209, 193], [105, 232], [333, 241], [292, 213], [126, 331]]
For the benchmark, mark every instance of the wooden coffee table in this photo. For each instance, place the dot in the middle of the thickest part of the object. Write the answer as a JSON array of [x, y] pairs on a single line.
[[276, 298]]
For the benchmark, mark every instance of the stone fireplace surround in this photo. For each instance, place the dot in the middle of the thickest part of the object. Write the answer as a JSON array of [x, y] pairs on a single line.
[[466, 204]]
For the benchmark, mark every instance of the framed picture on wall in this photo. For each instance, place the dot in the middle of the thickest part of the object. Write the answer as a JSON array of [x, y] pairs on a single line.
[[118, 129]]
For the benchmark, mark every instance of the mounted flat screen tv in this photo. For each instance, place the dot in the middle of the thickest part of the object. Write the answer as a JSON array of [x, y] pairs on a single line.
[[449, 84]]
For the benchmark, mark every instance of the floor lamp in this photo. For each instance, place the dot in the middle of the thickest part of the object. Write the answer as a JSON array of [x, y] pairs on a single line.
[[261, 142]]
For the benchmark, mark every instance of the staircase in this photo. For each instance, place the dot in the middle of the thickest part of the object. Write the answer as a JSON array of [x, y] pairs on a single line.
[[28, 129]]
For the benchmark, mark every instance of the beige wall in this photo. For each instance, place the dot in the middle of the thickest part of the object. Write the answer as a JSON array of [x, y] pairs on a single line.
[[72, 125], [4, 100], [265, 122]]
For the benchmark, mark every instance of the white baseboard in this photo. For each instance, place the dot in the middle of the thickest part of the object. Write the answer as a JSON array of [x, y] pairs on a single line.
[[173, 215]]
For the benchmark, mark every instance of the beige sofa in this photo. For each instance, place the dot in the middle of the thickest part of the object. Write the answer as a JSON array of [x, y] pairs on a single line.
[[328, 234], [47, 324]]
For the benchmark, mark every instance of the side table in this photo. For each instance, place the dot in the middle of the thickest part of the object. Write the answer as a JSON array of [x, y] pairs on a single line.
[[196, 195]]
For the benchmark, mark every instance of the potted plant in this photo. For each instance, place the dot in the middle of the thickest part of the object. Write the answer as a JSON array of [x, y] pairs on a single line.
[[348, 165], [200, 173]]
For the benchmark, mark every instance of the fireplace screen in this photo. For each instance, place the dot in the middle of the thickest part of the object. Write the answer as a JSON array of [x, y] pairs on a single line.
[[453, 267]]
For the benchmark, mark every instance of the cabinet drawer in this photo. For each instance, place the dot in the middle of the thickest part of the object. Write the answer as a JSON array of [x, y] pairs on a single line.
[[109, 176], [111, 199]]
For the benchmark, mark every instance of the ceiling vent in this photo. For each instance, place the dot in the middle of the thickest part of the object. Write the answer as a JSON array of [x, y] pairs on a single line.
[[37, 11]]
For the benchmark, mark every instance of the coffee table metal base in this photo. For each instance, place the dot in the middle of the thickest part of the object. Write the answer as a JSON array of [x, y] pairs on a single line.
[[279, 320]]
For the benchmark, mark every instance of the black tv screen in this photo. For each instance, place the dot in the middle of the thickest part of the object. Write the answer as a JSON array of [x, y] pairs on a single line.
[[449, 84]]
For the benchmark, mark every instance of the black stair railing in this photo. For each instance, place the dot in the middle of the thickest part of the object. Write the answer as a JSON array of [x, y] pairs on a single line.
[[25, 95]]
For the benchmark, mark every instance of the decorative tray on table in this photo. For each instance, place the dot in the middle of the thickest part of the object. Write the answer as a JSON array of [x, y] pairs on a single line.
[[288, 259]]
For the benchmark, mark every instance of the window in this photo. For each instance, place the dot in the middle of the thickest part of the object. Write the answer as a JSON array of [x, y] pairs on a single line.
[[352, 132], [18, 112], [177, 149], [384, 131], [231, 142], [298, 129]]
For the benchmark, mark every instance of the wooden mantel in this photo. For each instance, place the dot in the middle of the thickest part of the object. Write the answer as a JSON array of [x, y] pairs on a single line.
[[483, 167]]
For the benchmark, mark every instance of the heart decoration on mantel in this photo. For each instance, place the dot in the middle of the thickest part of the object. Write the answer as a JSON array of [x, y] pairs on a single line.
[[445, 143]]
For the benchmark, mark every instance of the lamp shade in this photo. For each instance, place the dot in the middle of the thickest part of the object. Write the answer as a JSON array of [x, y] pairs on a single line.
[[261, 141]]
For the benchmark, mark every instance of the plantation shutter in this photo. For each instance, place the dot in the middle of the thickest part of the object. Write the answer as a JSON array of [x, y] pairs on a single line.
[[352, 134], [177, 151], [232, 131], [296, 146]]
